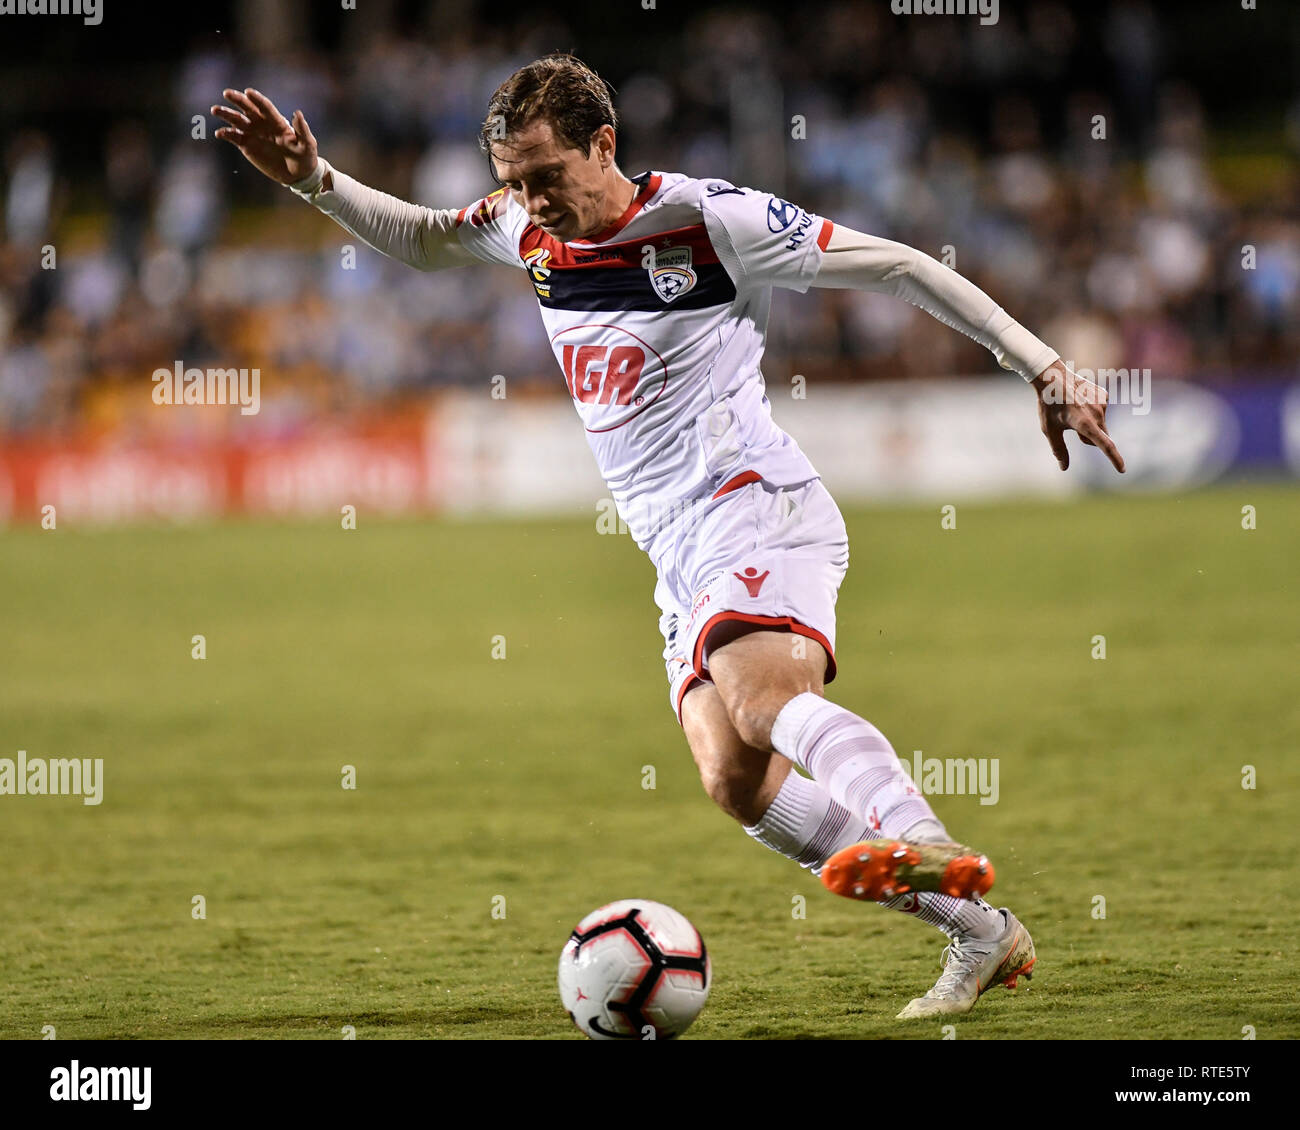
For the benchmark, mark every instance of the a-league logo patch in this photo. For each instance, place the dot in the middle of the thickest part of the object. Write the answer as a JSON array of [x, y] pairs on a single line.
[[671, 275], [538, 264]]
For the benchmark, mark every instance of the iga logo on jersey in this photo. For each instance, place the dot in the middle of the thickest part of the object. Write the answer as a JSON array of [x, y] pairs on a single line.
[[671, 275], [602, 374], [612, 375]]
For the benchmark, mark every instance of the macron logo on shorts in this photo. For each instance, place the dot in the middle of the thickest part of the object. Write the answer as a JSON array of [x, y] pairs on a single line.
[[752, 580]]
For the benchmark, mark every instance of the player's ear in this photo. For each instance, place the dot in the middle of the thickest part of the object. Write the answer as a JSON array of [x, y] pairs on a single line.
[[602, 142]]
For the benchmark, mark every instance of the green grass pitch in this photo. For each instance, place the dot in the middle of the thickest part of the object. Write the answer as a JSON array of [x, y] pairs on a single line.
[[522, 777]]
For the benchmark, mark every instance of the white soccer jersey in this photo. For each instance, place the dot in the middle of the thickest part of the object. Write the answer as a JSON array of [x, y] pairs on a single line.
[[658, 324]]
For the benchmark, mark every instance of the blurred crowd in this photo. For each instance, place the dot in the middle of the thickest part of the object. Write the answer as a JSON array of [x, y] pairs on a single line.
[[1087, 202]]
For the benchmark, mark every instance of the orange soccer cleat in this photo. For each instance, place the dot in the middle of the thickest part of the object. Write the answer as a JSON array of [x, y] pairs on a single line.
[[880, 869]]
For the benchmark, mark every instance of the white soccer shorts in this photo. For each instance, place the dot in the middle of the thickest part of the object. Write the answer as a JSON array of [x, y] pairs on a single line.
[[770, 556]]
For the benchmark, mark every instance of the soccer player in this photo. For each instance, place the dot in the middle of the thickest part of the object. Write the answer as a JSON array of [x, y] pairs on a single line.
[[655, 292]]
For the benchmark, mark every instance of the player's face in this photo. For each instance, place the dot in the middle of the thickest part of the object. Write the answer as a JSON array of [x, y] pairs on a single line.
[[564, 191]]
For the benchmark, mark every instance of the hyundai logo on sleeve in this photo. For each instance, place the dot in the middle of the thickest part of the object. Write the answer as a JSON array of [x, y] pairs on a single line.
[[780, 214]]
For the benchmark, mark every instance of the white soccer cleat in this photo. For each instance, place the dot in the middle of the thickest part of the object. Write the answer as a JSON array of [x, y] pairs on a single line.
[[971, 965]]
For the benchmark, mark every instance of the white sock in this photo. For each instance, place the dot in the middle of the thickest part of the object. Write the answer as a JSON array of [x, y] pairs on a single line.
[[855, 764], [805, 825], [969, 918]]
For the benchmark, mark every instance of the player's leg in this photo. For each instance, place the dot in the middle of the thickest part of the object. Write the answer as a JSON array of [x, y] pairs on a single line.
[[770, 684], [780, 808], [739, 779], [795, 817], [758, 674], [759, 575], [791, 814], [776, 558]]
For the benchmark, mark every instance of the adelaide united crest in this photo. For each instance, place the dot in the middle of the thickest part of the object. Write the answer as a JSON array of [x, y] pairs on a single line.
[[671, 275]]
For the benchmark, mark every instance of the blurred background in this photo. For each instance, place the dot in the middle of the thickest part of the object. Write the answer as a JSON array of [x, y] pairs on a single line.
[[1121, 176]]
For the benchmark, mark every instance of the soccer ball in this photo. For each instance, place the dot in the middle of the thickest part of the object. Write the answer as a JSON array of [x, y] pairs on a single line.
[[634, 970]]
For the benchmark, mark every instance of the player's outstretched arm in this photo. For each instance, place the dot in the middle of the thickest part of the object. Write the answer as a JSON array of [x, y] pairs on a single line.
[[286, 152], [856, 261]]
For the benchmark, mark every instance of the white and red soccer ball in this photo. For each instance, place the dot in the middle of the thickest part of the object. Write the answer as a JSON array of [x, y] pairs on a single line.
[[634, 970]]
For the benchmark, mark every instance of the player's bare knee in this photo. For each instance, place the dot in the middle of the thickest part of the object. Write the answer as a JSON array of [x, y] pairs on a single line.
[[729, 773], [745, 791], [735, 793], [752, 713], [733, 775]]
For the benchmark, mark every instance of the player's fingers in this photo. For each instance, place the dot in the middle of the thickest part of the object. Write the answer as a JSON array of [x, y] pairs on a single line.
[[1101, 440], [240, 99], [1056, 437], [230, 134], [1095, 434], [267, 107], [302, 129], [234, 117]]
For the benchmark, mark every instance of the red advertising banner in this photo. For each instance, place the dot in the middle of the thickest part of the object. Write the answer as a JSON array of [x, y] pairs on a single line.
[[379, 467]]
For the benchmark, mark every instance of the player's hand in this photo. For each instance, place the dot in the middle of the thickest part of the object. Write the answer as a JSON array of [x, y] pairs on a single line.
[[284, 151], [1069, 403]]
